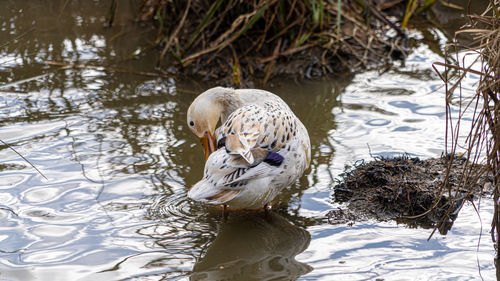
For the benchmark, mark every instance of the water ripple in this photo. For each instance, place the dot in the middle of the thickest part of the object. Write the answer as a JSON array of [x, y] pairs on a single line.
[[174, 205]]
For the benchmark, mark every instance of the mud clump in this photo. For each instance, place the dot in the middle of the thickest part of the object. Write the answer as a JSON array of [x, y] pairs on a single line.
[[408, 190]]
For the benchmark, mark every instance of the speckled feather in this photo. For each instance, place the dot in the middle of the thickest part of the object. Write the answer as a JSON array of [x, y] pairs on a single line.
[[270, 127]]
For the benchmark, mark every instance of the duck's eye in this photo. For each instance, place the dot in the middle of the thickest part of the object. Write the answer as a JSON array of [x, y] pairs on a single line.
[[191, 123]]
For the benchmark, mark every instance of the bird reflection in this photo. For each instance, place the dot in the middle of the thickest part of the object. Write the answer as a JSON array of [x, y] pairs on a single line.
[[253, 246]]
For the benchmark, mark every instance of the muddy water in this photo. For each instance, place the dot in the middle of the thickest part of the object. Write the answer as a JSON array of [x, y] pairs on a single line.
[[119, 160]]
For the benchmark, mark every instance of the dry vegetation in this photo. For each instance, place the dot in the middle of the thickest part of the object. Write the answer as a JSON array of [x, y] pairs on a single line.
[[483, 141], [236, 39]]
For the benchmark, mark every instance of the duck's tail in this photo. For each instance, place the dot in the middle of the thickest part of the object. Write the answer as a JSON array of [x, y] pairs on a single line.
[[205, 192]]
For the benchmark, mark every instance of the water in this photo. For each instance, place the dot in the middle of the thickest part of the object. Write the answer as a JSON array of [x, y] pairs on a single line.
[[119, 160]]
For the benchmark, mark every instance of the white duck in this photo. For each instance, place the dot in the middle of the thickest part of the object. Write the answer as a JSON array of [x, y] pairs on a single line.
[[263, 147]]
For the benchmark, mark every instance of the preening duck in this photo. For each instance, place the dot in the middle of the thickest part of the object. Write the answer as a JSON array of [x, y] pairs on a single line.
[[260, 148]]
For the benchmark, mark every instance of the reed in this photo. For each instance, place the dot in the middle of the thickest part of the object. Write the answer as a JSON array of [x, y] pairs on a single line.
[[482, 144]]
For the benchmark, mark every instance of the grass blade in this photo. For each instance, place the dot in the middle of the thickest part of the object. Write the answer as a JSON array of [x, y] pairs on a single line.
[[215, 6], [253, 19]]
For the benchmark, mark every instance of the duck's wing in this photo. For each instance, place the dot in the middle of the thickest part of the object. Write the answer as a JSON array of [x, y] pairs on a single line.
[[223, 181], [252, 127], [239, 134]]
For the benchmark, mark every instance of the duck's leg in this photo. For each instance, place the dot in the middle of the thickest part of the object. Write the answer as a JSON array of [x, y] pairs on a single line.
[[224, 212], [265, 209]]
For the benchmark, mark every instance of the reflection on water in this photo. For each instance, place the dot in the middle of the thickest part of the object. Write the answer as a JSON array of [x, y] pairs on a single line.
[[254, 246], [119, 161]]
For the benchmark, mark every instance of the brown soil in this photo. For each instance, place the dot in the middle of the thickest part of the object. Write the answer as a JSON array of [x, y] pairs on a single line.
[[409, 190]]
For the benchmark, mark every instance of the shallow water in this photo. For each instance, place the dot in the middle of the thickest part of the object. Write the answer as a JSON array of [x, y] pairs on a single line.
[[119, 160]]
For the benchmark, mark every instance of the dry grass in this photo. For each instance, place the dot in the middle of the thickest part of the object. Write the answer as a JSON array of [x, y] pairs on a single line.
[[309, 38], [483, 141]]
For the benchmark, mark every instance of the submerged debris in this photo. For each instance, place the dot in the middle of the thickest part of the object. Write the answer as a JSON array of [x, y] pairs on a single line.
[[409, 190]]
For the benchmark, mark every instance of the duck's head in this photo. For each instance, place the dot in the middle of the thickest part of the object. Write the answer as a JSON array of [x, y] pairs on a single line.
[[202, 117]]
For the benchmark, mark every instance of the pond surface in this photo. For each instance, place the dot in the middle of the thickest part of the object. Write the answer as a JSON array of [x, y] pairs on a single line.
[[119, 160]]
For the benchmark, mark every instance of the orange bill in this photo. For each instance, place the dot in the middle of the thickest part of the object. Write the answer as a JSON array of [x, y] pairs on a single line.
[[208, 143]]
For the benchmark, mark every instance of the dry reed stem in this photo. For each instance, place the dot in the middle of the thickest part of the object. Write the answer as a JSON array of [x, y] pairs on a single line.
[[482, 144]]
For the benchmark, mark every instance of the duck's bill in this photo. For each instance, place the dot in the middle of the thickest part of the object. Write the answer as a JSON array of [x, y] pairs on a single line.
[[208, 143]]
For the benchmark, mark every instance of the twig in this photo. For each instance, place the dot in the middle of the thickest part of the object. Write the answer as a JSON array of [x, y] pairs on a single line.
[[370, 150], [287, 52], [10, 210], [383, 18], [23, 80], [104, 68], [16, 38], [112, 12], [174, 34], [6, 144], [463, 69]]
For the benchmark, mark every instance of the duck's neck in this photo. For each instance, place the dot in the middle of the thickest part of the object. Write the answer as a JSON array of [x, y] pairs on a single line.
[[229, 101]]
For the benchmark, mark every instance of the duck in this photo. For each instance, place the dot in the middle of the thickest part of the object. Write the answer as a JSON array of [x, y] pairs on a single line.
[[260, 148]]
